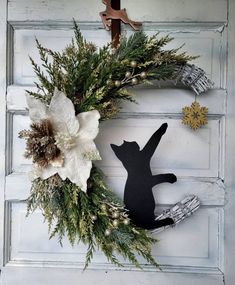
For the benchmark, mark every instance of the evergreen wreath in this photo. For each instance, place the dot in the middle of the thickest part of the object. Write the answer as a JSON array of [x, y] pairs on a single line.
[[95, 82]]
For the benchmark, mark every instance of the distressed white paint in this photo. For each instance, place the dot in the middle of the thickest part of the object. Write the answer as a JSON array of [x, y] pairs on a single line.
[[209, 190], [161, 10], [182, 151], [12, 275], [230, 154], [162, 98], [128, 127], [198, 159], [36, 248], [3, 78], [211, 48]]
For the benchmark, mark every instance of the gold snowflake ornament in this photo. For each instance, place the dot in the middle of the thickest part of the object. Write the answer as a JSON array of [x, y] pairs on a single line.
[[195, 116]]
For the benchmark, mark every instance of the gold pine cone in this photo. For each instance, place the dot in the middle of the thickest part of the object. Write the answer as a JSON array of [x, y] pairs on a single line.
[[40, 144]]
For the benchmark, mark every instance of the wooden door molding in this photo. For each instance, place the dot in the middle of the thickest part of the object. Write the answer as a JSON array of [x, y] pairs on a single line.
[[204, 34], [3, 82], [230, 153]]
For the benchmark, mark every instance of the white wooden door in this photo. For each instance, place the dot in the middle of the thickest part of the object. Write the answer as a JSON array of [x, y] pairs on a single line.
[[191, 253]]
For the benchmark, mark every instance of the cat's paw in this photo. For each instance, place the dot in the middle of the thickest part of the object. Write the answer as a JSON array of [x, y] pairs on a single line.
[[163, 128], [170, 221], [172, 178]]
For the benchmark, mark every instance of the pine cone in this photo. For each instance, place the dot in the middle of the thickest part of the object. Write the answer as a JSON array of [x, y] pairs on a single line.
[[40, 144]]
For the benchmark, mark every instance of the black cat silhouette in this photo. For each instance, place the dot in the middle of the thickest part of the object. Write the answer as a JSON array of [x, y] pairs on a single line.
[[138, 195]]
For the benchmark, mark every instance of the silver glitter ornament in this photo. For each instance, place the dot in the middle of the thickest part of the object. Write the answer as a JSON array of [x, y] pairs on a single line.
[[94, 217], [115, 215], [128, 74], [133, 63], [109, 82], [126, 222], [107, 232], [117, 83], [115, 223], [143, 74], [134, 81]]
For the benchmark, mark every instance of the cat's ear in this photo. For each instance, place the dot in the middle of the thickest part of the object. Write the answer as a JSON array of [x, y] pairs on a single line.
[[118, 151]]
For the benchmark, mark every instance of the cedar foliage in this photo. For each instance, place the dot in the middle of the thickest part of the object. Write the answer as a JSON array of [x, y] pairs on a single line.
[[87, 75], [69, 211]]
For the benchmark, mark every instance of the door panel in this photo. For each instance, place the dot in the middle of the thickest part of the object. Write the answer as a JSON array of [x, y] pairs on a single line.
[[206, 41], [162, 11], [186, 153], [34, 248]]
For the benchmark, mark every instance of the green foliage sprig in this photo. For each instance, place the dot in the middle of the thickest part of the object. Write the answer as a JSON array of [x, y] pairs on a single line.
[[98, 79], [89, 217]]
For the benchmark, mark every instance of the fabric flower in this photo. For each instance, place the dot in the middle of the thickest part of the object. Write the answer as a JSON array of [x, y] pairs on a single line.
[[74, 137], [195, 116]]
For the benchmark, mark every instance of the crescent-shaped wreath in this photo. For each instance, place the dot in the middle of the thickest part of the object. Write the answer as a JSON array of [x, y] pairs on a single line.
[[82, 85]]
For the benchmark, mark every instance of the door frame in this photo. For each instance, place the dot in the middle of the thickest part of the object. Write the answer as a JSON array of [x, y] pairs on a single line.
[[3, 91], [230, 138], [229, 154]]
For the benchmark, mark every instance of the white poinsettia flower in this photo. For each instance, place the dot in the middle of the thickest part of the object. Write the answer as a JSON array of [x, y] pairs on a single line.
[[74, 136]]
